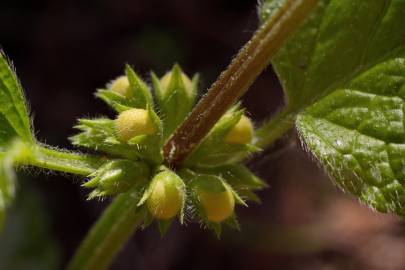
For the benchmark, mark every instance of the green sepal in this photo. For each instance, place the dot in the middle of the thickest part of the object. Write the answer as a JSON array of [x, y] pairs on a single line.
[[216, 227], [145, 196], [242, 180], [140, 95], [238, 175], [215, 183], [214, 151], [175, 180], [186, 174], [117, 176], [116, 101], [232, 222], [212, 183], [175, 97], [149, 147], [164, 226], [238, 198], [99, 135], [148, 218]]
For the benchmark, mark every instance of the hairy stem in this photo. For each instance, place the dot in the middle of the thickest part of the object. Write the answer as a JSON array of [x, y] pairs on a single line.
[[117, 223], [63, 161], [275, 128], [235, 81]]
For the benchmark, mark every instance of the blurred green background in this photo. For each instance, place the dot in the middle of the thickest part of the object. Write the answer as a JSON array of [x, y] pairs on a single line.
[[64, 50]]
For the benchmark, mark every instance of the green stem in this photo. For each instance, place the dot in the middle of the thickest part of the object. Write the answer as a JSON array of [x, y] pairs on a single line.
[[236, 79], [276, 127], [63, 161], [109, 234]]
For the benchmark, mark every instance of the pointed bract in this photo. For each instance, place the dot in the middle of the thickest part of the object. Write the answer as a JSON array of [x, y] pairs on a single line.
[[175, 94]]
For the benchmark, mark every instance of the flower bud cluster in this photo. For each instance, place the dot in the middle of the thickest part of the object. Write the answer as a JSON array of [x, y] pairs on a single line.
[[211, 181]]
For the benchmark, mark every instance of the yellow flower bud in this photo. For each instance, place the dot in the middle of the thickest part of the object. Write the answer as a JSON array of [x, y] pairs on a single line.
[[121, 86], [241, 133], [166, 195], [165, 81], [132, 123], [218, 206]]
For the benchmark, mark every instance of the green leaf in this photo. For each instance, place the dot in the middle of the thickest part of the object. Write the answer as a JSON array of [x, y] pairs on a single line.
[[7, 132], [14, 117], [358, 133], [345, 66], [341, 39]]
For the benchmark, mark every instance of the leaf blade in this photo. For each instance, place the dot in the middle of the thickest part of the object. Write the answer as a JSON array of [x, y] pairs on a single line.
[[12, 102], [358, 134], [340, 39], [343, 74]]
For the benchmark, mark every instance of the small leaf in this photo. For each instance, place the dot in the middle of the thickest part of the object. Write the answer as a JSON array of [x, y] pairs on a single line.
[[14, 116]]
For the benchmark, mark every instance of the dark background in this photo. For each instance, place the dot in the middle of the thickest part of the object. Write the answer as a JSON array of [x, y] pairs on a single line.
[[64, 50]]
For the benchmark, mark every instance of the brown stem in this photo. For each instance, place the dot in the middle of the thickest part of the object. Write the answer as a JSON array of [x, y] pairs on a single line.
[[236, 79]]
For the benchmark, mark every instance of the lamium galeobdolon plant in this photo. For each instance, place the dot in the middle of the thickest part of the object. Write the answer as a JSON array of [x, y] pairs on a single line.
[[342, 67], [212, 177]]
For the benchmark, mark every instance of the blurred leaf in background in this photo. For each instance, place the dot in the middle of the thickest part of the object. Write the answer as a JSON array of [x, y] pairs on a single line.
[[27, 241]]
